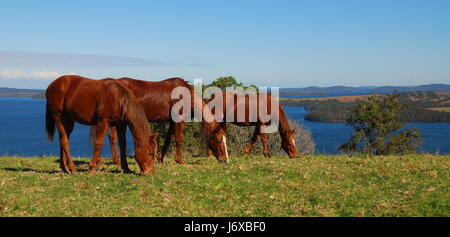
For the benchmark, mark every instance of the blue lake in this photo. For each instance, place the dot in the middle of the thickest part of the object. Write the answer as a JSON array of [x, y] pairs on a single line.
[[22, 132], [329, 136]]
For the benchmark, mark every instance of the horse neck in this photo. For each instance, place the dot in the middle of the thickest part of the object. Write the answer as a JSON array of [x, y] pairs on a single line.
[[206, 128], [139, 136], [283, 124], [211, 126], [139, 127], [132, 113]]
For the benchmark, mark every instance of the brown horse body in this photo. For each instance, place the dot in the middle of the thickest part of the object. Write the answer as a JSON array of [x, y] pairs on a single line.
[[155, 98], [101, 104], [232, 102]]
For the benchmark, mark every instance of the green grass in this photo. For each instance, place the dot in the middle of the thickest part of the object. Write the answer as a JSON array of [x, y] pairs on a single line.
[[416, 185], [440, 109]]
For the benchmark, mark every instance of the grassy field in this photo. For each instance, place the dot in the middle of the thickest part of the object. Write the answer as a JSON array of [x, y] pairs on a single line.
[[416, 185], [440, 109]]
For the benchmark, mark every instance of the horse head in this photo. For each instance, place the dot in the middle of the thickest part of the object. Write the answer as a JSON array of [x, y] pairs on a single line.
[[217, 142], [288, 143]]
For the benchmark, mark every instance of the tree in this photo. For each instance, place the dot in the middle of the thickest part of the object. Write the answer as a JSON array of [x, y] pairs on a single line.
[[378, 130], [224, 82], [229, 81]]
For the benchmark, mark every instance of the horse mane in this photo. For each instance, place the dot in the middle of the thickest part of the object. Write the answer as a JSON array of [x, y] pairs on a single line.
[[206, 128], [284, 126], [130, 109], [166, 86], [283, 122]]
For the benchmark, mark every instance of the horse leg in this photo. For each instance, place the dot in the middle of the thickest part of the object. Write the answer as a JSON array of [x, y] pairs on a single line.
[[99, 158], [253, 139], [99, 161], [101, 129], [68, 125], [166, 143], [112, 141], [263, 138], [121, 130], [179, 140], [62, 156], [62, 159], [64, 147]]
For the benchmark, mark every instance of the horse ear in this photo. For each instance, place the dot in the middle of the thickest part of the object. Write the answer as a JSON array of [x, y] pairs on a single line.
[[221, 129], [153, 135], [294, 131], [224, 126]]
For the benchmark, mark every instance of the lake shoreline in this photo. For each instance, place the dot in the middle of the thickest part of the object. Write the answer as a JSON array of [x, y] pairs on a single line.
[[23, 132]]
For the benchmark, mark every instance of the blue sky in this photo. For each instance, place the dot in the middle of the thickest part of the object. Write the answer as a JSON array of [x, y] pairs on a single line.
[[268, 43]]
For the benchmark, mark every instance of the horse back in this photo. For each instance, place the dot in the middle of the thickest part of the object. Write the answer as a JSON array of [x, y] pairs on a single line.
[[155, 97], [248, 103]]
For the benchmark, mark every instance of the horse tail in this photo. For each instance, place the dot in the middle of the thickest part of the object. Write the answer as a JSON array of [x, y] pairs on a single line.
[[49, 123], [132, 111]]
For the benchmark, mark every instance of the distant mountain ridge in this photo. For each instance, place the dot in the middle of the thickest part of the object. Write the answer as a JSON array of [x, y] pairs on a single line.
[[8, 90], [13, 92], [284, 92], [337, 90]]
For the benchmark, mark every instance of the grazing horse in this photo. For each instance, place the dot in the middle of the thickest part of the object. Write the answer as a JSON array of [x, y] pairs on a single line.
[[100, 104], [231, 105], [155, 98]]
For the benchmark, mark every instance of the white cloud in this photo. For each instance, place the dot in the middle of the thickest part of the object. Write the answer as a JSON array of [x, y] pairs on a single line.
[[17, 74], [33, 59]]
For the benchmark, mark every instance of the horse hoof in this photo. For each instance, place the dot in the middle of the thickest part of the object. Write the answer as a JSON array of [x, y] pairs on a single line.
[[127, 171], [180, 162], [147, 172]]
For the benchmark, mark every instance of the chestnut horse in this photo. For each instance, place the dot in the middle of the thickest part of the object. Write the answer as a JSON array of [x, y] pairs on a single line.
[[155, 98], [98, 103], [232, 104]]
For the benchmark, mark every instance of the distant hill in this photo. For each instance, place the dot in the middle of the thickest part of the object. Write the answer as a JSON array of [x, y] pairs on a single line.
[[40, 95], [430, 87], [13, 92], [423, 106], [347, 90], [8, 90], [311, 91]]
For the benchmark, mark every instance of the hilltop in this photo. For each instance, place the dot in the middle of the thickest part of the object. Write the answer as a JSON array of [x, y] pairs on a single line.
[[341, 90], [14, 92], [311, 91], [422, 106]]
